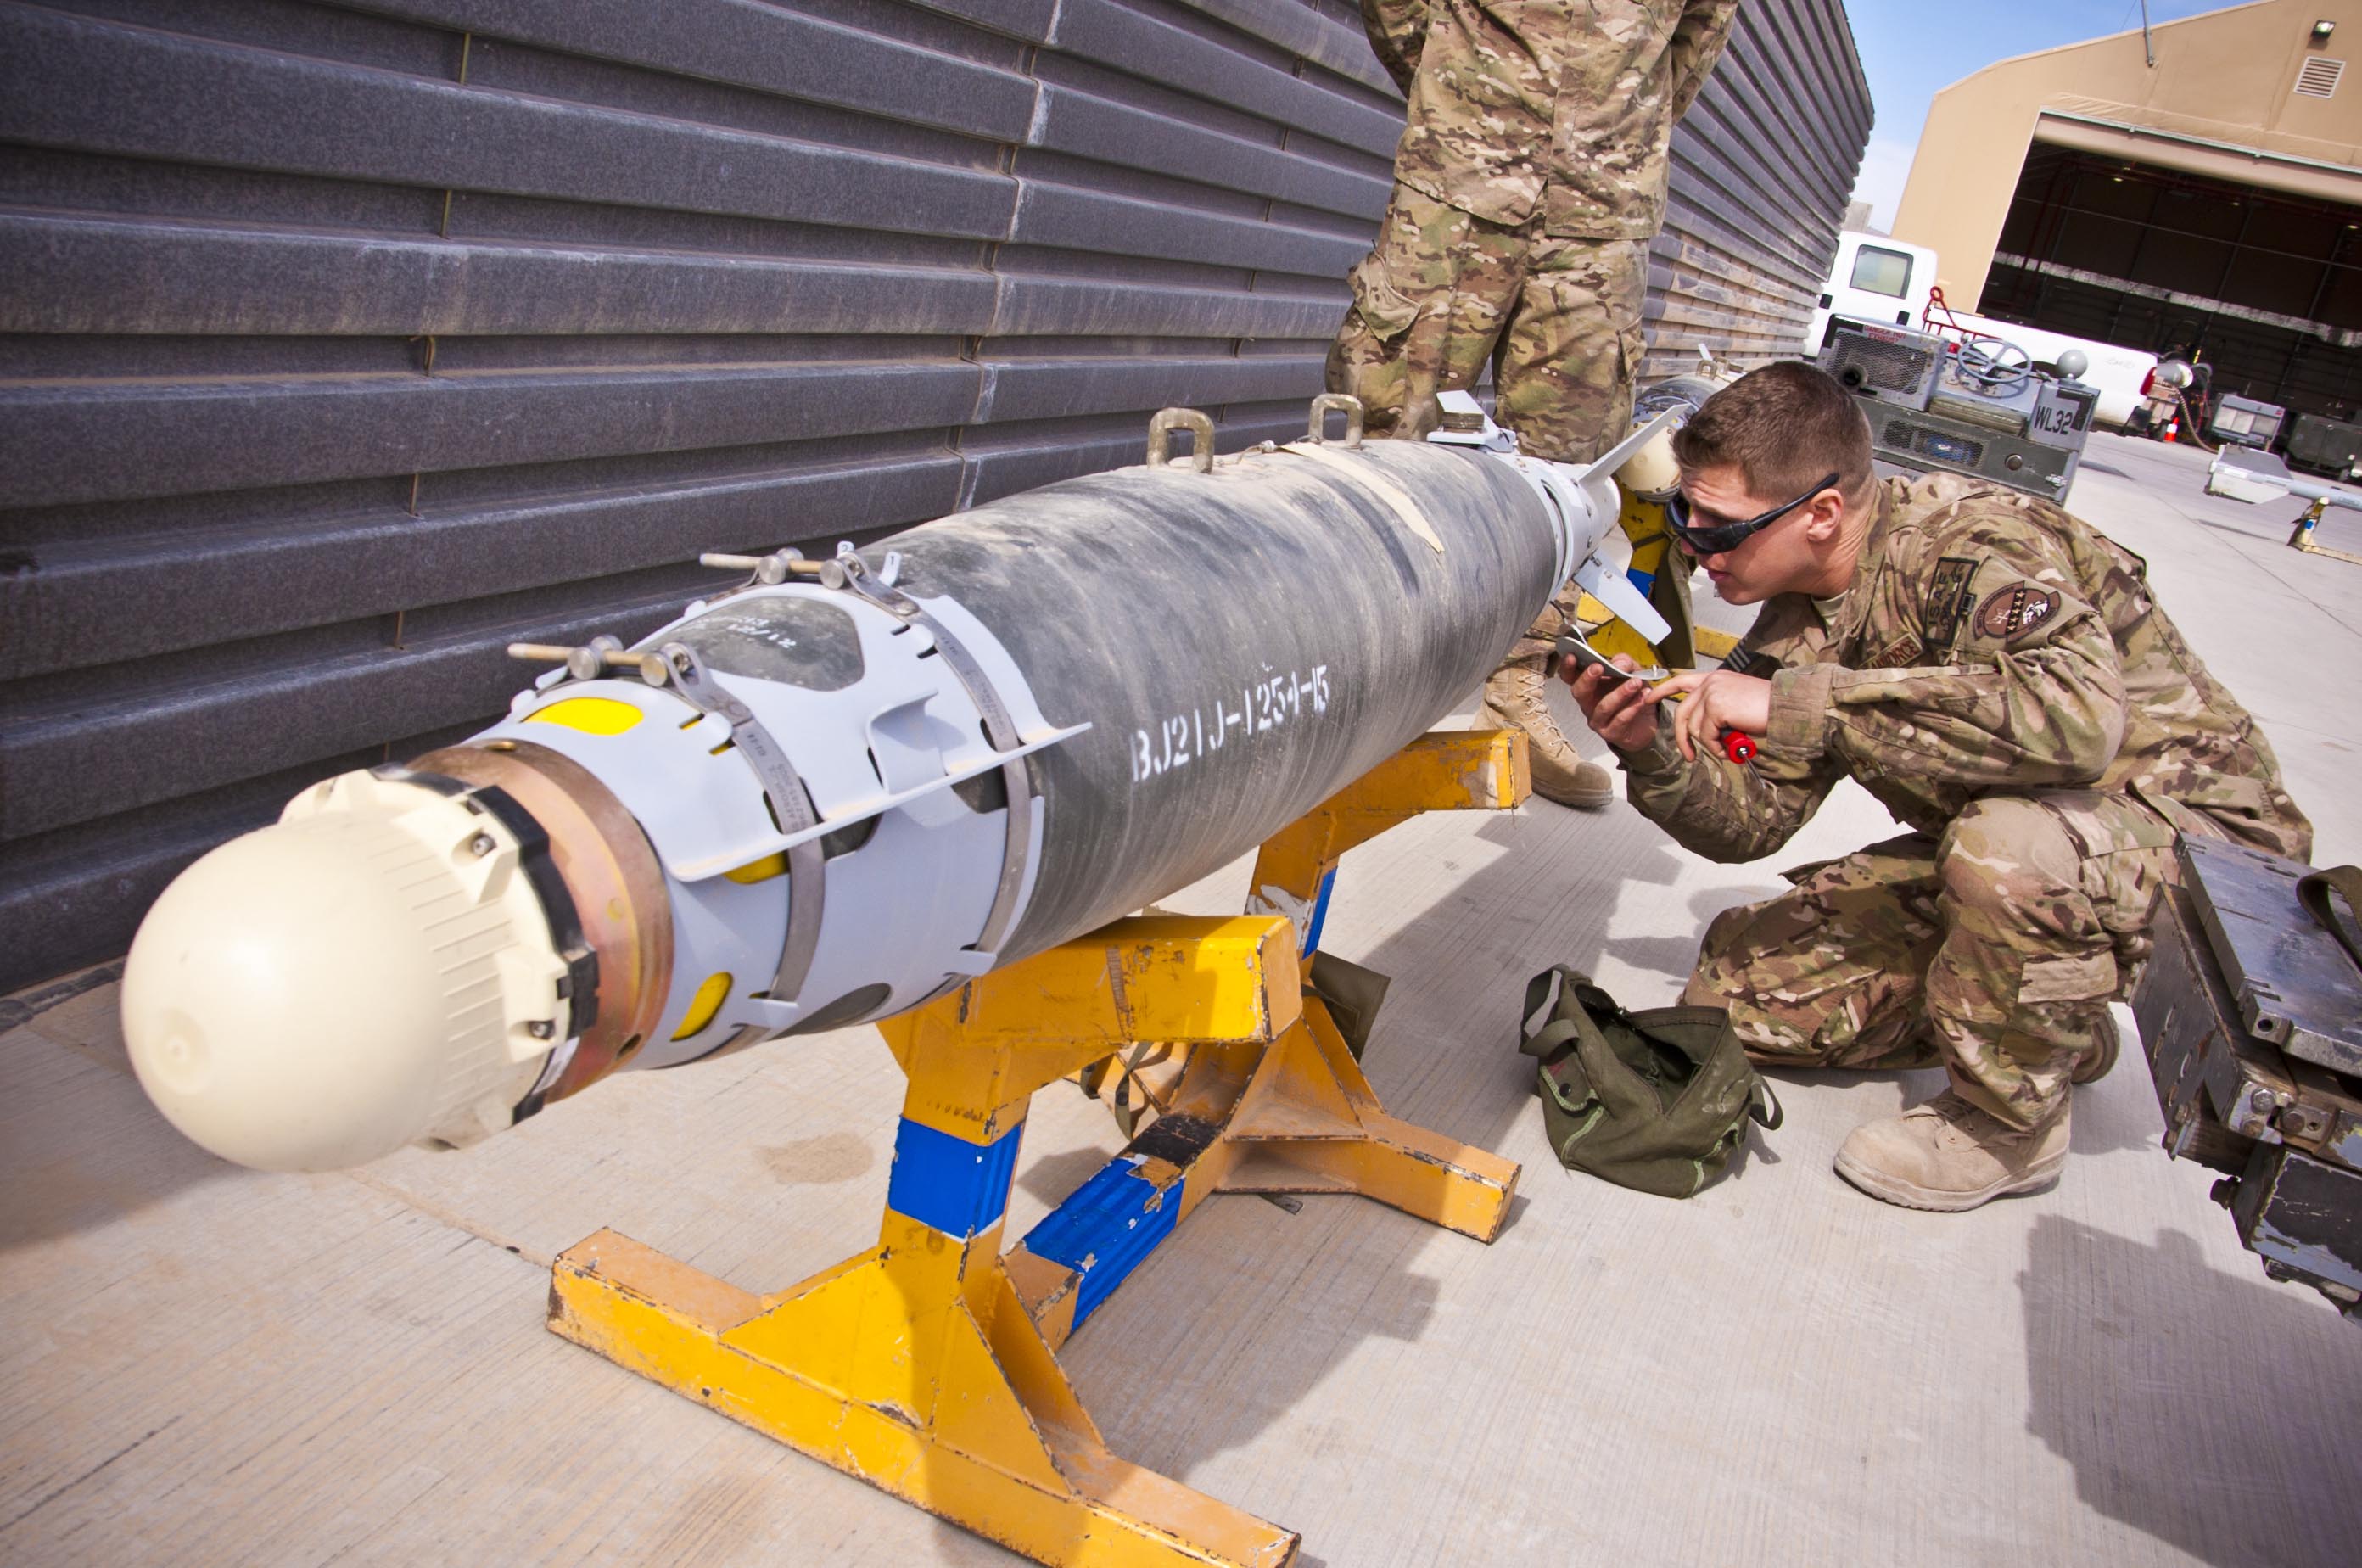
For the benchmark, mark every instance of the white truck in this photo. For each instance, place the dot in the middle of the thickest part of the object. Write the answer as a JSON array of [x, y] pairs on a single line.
[[1892, 281]]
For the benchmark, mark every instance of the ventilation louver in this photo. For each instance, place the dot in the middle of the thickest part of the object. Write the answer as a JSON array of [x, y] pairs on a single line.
[[2318, 79]]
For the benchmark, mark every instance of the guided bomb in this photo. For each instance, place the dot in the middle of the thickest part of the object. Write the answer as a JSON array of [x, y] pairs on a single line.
[[842, 787]]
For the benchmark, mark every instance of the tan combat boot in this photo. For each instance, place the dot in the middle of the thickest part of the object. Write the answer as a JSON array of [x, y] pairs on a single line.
[[1513, 700], [1947, 1156]]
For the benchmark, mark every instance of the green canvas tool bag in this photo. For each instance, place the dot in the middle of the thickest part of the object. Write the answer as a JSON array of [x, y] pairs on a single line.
[[1656, 1101]]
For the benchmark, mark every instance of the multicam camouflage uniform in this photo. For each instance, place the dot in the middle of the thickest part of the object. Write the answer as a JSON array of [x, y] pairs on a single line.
[[1528, 183], [1999, 679]]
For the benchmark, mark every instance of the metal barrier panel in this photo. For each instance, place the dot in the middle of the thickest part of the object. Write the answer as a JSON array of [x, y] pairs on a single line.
[[341, 346]]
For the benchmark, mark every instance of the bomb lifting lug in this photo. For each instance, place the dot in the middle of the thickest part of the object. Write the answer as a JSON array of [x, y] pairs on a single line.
[[1164, 421]]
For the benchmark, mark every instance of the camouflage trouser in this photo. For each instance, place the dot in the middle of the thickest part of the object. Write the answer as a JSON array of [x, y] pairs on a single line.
[[1994, 951], [1445, 293]]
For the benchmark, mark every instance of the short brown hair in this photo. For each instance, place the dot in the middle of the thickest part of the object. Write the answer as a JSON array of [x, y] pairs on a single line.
[[1783, 426]]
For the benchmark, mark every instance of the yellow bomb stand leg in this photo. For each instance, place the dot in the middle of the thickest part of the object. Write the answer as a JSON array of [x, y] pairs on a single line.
[[926, 1366], [2302, 538]]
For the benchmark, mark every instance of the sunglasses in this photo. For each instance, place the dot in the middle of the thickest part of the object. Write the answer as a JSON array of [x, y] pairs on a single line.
[[1721, 537]]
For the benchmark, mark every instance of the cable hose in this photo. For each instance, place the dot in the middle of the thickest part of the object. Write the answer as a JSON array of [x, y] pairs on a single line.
[[2195, 438]]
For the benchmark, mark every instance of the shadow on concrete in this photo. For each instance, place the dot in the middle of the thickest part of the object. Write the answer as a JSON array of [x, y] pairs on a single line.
[[83, 1147], [2213, 1412], [2119, 1111], [1444, 1053], [1661, 955], [1238, 1370], [1912, 1085], [1578, 873], [1054, 1177]]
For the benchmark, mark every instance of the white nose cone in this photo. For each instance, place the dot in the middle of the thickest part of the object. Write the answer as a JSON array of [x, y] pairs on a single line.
[[373, 970], [1652, 473]]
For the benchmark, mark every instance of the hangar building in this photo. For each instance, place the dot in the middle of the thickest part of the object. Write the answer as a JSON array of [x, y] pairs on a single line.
[[2196, 188]]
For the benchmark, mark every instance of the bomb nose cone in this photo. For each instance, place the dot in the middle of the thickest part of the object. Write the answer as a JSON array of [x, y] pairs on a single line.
[[373, 970]]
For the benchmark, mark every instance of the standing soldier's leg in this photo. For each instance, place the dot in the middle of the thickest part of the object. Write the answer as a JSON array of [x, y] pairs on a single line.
[[1429, 304], [1565, 377], [2045, 906], [1573, 349]]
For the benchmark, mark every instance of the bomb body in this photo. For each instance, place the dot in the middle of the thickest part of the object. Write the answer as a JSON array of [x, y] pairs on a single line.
[[838, 791]]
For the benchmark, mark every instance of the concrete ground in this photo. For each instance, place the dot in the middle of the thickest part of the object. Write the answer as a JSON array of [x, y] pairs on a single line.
[[200, 1364]]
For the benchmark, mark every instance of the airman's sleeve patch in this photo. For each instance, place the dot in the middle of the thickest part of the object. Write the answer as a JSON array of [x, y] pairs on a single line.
[[1949, 598], [2010, 613]]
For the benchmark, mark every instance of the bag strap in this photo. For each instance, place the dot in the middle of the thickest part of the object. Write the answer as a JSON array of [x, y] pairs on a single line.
[[1537, 991], [1551, 1042], [1544, 1042], [1128, 1069], [1610, 1082], [2313, 889]]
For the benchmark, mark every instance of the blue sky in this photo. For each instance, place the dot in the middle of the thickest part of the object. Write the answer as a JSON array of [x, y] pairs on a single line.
[[1912, 50]]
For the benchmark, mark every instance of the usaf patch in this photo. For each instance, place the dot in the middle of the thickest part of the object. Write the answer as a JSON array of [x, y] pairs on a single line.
[[1899, 654], [2014, 611], [1949, 600]]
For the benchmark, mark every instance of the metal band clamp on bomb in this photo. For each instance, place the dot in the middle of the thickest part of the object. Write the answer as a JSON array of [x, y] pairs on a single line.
[[845, 786]]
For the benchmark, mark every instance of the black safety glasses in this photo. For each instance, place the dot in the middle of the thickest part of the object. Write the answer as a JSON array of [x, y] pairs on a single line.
[[1721, 537]]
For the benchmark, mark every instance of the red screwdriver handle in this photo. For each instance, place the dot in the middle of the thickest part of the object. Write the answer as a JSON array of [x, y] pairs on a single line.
[[1739, 746]]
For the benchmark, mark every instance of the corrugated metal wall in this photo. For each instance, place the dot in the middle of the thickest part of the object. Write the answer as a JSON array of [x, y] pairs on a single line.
[[341, 344], [1762, 166]]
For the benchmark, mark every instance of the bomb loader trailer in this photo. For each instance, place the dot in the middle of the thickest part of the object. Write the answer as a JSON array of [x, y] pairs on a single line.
[[2250, 1010], [1978, 407], [920, 786]]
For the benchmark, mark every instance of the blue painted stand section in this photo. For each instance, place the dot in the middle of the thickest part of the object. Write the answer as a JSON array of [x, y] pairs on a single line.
[[956, 1187], [1320, 913], [1643, 580], [1106, 1229]]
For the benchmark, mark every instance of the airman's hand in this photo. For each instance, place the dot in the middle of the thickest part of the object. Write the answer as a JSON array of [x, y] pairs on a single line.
[[1622, 712], [1718, 700]]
